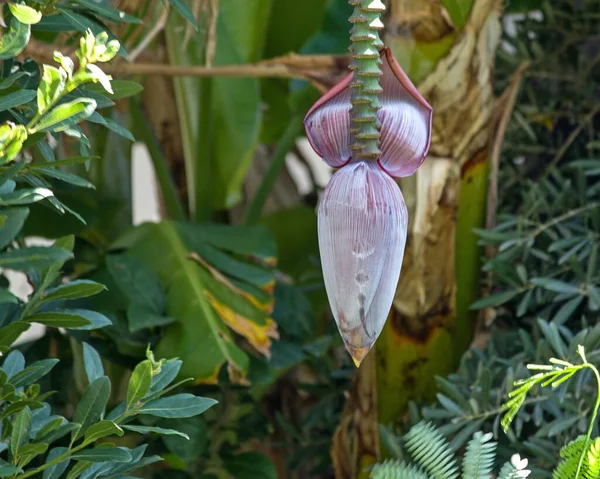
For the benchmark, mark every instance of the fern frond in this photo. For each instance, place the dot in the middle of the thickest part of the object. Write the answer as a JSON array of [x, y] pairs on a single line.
[[396, 470], [515, 469], [570, 455], [431, 451], [479, 458], [591, 463]]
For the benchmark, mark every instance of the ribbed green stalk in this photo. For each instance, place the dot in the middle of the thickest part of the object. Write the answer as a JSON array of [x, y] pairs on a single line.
[[365, 45]]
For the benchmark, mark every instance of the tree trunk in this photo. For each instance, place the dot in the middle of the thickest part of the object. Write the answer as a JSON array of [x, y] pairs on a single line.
[[449, 53]]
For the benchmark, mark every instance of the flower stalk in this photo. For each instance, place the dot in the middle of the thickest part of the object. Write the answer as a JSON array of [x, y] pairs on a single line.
[[365, 87]]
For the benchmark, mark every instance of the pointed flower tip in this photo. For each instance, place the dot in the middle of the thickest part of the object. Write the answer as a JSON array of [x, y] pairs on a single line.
[[358, 354]]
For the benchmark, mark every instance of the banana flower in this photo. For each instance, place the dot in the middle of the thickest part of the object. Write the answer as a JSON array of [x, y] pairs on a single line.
[[362, 217]]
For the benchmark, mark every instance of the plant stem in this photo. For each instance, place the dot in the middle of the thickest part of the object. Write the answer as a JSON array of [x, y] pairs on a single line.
[[286, 143], [365, 88], [588, 436]]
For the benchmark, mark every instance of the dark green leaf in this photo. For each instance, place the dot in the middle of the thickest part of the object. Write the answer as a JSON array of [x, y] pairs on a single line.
[[250, 465], [16, 98], [64, 176], [184, 10], [10, 333], [111, 125], [80, 288], [102, 429], [108, 12], [168, 372], [139, 383], [7, 297], [33, 372], [71, 318], [56, 470], [179, 405], [103, 454], [49, 427], [13, 364], [556, 285], [61, 432], [20, 432], [121, 89], [92, 363], [25, 196], [91, 406], [6, 470], [15, 218], [13, 42], [157, 430], [33, 257], [140, 316], [494, 299]]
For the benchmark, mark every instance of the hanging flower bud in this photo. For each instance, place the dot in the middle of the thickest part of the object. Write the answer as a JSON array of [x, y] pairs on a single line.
[[362, 215]]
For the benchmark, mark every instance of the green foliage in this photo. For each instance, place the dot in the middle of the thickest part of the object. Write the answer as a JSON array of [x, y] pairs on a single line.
[[33, 429], [433, 457]]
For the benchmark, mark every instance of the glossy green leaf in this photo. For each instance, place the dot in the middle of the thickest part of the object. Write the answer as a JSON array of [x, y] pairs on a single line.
[[139, 383], [179, 405], [7, 297], [10, 333], [556, 285], [13, 363], [25, 14], [20, 431], [107, 12], [92, 404], [64, 176], [157, 430], [25, 196], [13, 42], [102, 429], [6, 470], [199, 336], [184, 10], [15, 218], [494, 299], [49, 427], [140, 316], [103, 454], [168, 372], [33, 257], [111, 125], [66, 115], [79, 288], [33, 372], [16, 98], [78, 468], [137, 280], [70, 318], [92, 363], [56, 470], [52, 85], [121, 89]]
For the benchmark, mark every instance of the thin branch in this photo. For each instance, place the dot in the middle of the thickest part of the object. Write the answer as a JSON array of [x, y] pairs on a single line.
[[572, 137], [507, 99], [152, 34], [211, 33], [314, 68]]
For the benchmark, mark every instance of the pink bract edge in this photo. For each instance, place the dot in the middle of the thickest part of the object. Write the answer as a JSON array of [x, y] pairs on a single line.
[[386, 55]]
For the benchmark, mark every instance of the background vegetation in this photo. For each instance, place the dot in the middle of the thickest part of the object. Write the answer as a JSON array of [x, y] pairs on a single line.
[[226, 287]]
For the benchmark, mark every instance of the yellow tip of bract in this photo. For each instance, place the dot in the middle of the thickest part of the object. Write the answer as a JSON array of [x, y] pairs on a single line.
[[358, 354]]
